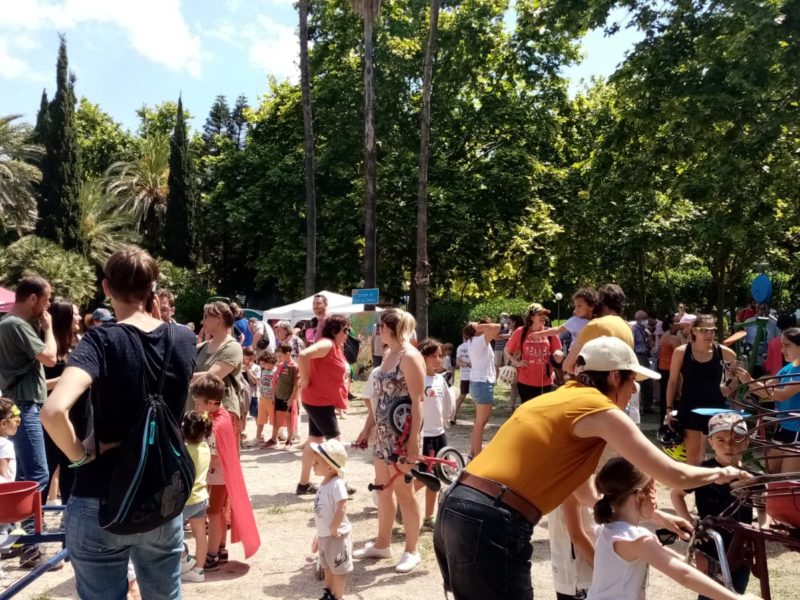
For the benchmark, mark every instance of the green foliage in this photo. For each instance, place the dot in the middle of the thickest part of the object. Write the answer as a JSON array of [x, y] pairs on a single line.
[[447, 319], [102, 140], [160, 119], [70, 274], [104, 229], [493, 308], [178, 232], [189, 288], [18, 175], [59, 215]]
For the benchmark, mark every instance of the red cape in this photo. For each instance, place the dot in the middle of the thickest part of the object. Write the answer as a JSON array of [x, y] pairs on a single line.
[[243, 521]]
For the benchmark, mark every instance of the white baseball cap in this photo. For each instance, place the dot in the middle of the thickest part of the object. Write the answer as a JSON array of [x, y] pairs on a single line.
[[608, 353]]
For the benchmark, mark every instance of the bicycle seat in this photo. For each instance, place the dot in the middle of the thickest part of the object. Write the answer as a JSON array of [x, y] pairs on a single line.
[[429, 480]]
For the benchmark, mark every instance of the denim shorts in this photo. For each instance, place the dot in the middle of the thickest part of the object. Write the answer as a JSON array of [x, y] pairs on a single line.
[[483, 549], [482, 392], [195, 511]]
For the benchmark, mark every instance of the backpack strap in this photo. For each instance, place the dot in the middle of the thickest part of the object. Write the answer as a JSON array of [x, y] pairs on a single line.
[[167, 356]]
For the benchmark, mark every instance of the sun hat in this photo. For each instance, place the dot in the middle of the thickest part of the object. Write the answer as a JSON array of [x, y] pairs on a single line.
[[333, 453], [727, 421], [687, 319], [608, 353], [102, 314], [537, 308]]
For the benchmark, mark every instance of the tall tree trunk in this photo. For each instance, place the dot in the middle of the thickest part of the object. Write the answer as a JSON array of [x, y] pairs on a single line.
[[370, 164], [422, 275], [308, 127]]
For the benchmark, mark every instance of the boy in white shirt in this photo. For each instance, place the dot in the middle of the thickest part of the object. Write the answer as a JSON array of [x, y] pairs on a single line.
[[330, 517]]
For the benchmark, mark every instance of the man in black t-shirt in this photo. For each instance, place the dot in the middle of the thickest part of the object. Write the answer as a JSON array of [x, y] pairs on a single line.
[[727, 435]]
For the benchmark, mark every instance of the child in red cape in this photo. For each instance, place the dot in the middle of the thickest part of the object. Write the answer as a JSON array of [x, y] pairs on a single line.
[[225, 479]]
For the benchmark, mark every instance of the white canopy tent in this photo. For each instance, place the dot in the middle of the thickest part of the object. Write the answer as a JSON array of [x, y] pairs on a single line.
[[337, 305]]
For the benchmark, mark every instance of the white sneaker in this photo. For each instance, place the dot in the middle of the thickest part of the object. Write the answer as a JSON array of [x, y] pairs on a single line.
[[408, 561], [370, 551], [193, 575], [188, 562]]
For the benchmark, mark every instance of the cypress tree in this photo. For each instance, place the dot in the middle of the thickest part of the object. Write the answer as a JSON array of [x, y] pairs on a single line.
[[40, 131], [59, 214], [180, 202]]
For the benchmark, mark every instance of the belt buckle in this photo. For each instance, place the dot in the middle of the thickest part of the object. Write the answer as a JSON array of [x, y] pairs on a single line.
[[498, 499]]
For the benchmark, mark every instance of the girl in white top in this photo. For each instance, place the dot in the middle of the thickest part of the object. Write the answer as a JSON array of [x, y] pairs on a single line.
[[482, 376], [624, 549]]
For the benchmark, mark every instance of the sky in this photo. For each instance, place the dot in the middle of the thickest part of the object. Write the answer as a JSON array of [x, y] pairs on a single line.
[[127, 53]]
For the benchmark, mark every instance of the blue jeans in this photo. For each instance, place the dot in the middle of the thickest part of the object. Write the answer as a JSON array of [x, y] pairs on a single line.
[[483, 549], [29, 446], [100, 558]]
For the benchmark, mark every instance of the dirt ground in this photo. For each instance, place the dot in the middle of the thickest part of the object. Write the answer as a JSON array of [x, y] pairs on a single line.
[[283, 568]]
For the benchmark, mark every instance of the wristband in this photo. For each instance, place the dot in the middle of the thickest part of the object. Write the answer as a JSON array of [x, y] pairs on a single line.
[[81, 461]]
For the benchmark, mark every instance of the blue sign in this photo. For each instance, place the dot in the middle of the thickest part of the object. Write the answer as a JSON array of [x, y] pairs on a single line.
[[366, 296]]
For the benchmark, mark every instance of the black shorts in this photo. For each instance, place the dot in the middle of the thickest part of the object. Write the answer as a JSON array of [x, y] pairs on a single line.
[[435, 443], [692, 421], [282, 405], [322, 421], [253, 409], [529, 392], [464, 387]]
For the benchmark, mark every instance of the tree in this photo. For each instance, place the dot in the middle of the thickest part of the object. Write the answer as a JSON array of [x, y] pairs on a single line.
[[369, 11], [308, 153], [160, 119], [179, 239], [422, 272], [237, 127], [104, 229], [59, 215], [18, 175], [141, 187], [101, 140], [217, 123], [40, 131]]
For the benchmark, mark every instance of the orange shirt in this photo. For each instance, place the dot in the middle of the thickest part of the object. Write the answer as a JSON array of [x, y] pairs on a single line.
[[535, 453], [668, 345]]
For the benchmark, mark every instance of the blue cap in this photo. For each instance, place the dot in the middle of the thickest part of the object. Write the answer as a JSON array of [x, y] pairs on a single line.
[[102, 314]]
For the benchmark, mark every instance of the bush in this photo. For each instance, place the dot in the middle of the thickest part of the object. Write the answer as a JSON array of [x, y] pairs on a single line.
[[189, 288], [446, 319], [70, 275], [493, 308]]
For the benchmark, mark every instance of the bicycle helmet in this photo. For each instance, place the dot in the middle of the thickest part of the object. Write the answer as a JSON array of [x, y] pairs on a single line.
[[671, 440]]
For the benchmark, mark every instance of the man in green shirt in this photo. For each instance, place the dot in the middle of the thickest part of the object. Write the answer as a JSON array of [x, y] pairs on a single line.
[[22, 356]]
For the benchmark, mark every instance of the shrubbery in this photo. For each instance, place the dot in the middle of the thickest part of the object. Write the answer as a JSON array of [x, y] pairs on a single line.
[[189, 289]]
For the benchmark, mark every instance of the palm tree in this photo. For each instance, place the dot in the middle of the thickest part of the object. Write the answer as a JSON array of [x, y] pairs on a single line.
[[141, 187], [369, 10], [103, 227], [308, 130], [422, 273], [18, 175]]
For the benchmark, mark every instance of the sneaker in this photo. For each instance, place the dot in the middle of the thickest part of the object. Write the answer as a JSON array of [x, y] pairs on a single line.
[[211, 564], [222, 554], [408, 561], [428, 523], [287, 445], [327, 595], [268, 444], [350, 490], [304, 489], [370, 551], [188, 562], [31, 557], [193, 575]]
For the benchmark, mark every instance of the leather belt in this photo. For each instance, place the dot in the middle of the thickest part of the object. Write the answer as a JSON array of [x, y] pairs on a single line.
[[502, 495]]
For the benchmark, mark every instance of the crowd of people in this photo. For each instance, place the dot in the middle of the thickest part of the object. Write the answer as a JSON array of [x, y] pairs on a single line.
[[72, 385]]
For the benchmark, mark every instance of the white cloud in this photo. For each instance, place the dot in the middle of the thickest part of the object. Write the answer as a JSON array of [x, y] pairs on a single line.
[[13, 67], [273, 47], [155, 28]]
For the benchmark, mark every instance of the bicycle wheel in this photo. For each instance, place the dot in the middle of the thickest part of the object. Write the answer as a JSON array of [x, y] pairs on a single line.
[[447, 473], [399, 413]]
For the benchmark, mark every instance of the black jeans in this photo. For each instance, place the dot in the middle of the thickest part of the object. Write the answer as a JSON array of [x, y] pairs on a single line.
[[483, 549], [529, 392]]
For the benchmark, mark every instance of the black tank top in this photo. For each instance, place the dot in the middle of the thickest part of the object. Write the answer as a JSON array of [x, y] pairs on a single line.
[[701, 381]]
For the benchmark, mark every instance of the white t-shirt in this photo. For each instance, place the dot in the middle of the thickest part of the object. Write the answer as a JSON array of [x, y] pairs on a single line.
[[328, 495], [614, 577], [574, 326], [481, 356], [7, 452], [255, 371], [433, 405], [462, 352], [216, 475], [369, 392], [571, 572], [267, 332]]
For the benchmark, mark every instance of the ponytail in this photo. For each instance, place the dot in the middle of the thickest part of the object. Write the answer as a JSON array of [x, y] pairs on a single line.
[[604, 510], [617, 480]]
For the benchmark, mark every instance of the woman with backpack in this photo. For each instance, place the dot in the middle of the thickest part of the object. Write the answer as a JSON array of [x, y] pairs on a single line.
[[123, 363]]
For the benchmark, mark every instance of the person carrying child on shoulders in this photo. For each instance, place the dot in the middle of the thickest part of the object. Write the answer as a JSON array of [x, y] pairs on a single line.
[[225, 479], [727, 435], [625, 548], [284, 389], [333, 539], [434, 437]]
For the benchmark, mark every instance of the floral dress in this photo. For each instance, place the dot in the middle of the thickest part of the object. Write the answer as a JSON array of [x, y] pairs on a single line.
[[389, 386]]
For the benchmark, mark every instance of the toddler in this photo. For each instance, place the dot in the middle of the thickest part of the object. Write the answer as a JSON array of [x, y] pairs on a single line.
[[9, 423], [251, 374], [330, 517], [266, 407], [196, 430], [284, 390]]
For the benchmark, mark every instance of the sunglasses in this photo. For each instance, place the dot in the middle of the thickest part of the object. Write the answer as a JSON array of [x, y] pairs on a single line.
[[666, 537], [706, 330]]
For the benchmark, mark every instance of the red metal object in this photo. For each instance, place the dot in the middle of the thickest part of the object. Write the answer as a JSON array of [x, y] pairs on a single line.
[[20, 500]]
